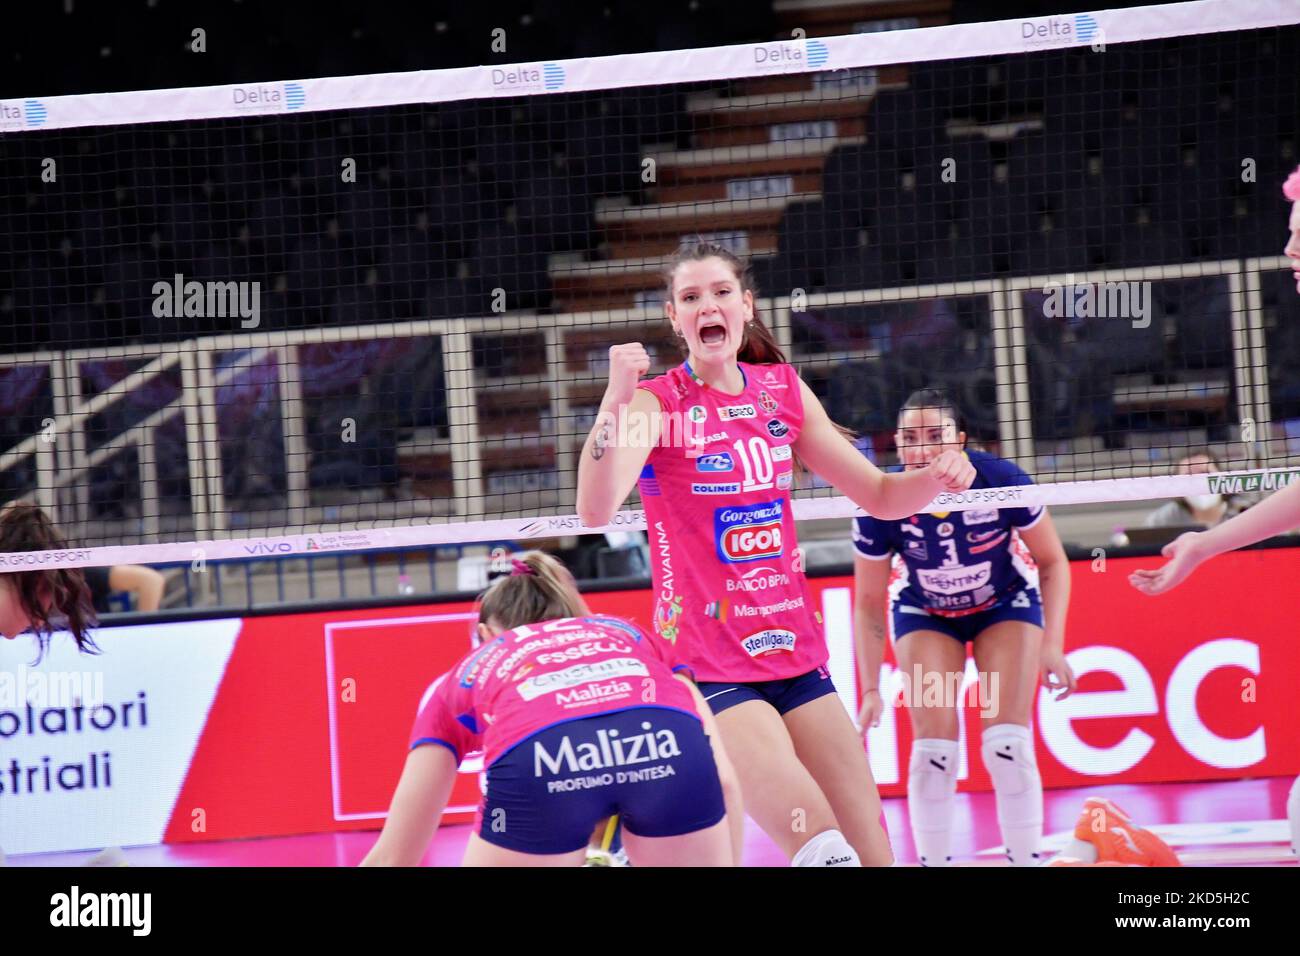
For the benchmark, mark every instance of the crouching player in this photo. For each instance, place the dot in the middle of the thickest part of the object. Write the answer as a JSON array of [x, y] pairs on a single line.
[[579, 717]]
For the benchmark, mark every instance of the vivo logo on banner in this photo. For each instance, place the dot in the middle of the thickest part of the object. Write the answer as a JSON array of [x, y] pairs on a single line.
[[269, 547]]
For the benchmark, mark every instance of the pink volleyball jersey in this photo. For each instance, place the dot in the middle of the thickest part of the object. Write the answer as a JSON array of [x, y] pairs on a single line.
[[539, 675], [728, 580]]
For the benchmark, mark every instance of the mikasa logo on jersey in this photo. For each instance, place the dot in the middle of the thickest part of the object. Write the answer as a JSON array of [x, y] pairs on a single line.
[[730, 413], [608, 750]]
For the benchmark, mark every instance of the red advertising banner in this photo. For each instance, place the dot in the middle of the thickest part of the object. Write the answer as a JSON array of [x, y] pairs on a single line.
[[298, 723]]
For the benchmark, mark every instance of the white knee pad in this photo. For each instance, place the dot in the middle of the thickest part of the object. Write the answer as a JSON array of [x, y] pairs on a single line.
[[931, 785], [1008, 752], [1293, 816], [828, 848]]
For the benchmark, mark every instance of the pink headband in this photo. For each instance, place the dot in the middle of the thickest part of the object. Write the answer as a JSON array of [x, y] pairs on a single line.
[[520, 567]]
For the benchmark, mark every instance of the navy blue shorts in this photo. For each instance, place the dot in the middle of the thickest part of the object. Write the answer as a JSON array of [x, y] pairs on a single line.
[[784, 695], [1025, 605], [653, 766]]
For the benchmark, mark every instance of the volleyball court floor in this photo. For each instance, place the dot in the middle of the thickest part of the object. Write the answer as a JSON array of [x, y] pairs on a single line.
[[1226, 823]]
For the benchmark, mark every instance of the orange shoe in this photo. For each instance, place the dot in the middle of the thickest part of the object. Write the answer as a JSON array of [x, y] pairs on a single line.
[[1118, 839]]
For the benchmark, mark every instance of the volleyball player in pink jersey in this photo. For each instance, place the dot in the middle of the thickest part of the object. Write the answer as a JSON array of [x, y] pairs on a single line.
[[1276, 515], [579, 717], [40, 601], [713, 443], [36, 600]]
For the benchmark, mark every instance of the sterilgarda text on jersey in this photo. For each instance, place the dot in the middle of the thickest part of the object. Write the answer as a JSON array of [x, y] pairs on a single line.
[[608, 750]]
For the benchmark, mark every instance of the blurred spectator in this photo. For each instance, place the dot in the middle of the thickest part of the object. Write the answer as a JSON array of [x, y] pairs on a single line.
[[1208, 510], [145, 583]]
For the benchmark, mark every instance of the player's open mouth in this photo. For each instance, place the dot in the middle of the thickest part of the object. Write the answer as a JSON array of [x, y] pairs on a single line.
[[713, 334]]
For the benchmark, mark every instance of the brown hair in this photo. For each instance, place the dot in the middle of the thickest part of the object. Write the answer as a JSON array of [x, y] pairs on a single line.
[[1206, 453], [758, 346], [544, 592], [935, 398], [51, 598]]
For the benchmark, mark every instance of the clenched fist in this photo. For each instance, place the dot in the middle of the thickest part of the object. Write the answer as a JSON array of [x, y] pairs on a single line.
[[627, 363], [952, 470]]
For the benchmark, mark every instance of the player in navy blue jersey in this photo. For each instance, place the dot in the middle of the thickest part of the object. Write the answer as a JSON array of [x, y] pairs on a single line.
[[961, 578]]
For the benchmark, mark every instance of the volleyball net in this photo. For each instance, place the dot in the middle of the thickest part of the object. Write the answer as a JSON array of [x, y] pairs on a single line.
[[362, 312]]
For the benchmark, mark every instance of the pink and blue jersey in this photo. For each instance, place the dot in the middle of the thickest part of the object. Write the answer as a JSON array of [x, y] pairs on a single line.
[[728, 580], [962, 562], [539, 675]]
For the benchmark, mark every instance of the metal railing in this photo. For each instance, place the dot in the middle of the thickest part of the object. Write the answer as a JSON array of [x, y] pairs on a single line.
[[62, 468]]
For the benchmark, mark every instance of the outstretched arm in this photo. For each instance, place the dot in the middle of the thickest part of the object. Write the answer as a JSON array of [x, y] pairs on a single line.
[[1054, 584], [1274, 515], [890, 496], [421, 796], [147, 584], [870, 628]]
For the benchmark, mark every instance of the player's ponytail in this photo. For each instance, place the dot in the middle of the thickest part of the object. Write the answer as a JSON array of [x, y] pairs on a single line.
[[52, 598], [759, 347], [537, 588]]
